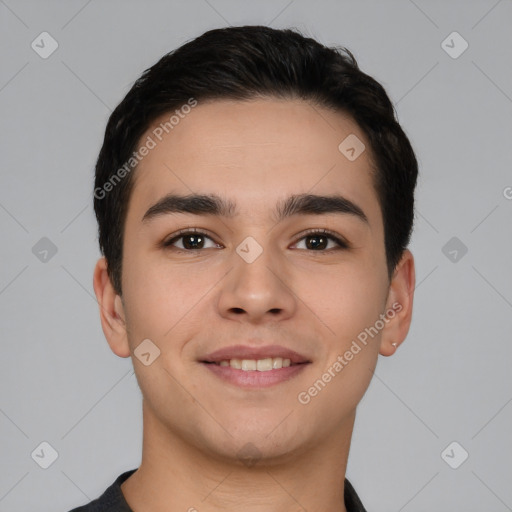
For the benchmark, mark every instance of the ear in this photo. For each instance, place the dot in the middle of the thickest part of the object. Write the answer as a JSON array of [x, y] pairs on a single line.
[[113, 320], [399, 302]]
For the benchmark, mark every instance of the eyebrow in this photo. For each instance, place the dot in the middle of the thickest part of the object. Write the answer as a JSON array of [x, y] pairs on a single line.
[[212, 204]]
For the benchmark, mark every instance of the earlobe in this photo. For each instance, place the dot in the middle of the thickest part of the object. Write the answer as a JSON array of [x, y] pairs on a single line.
[[112, 315], [399, 305]]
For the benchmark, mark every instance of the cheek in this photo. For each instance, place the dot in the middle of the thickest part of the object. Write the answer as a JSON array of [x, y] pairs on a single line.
[[343, 300], [346, 307], [163, 297]]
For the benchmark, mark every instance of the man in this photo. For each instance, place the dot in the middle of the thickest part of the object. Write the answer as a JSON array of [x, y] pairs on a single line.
[[255, 200]]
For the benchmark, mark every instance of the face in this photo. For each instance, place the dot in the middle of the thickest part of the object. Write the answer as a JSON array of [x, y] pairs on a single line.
[[254, 280]]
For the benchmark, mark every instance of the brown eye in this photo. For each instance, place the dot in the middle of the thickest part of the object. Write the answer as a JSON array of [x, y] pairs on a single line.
[[319, 240], [189, 241]]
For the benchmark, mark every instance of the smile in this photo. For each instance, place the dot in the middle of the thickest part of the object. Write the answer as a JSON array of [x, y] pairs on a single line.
[[246, 374], [260, 365]]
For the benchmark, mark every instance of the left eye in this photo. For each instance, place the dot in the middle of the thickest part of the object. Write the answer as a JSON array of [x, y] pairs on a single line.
[[320, 239]]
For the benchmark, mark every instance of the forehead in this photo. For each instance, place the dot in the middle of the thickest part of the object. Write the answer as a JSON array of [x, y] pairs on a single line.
[[255, 153]]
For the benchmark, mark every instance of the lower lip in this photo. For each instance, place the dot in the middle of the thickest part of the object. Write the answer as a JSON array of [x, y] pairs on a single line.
[[255, 378]]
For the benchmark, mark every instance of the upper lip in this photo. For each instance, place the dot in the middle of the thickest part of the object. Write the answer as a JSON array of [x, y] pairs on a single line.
[[247, 352]]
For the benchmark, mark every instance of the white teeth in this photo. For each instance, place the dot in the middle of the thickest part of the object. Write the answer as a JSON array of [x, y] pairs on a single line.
[[277, 362], [236, 363], [249, 364], [261, 365]]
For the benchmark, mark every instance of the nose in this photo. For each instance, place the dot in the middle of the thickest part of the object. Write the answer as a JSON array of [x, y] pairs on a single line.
[[256, 291]]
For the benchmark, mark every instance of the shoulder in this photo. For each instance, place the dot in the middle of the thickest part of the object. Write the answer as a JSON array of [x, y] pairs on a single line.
[[352, 501], [112, 500]]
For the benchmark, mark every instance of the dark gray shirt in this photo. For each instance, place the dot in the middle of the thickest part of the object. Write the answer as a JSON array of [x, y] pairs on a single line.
[[112, 500]]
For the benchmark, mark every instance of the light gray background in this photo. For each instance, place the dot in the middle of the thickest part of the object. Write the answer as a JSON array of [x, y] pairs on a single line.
[[450, 380]]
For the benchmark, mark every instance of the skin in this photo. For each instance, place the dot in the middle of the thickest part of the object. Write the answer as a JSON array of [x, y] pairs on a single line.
[[191, 303]]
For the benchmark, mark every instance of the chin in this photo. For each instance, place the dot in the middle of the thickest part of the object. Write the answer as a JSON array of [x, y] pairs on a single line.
[[258, 446], [257, 453]]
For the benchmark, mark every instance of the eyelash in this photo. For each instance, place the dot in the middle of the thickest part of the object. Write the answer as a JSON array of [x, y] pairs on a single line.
[[193, 231]]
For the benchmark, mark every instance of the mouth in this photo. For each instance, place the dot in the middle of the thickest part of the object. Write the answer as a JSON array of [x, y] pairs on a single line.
[[259, 365], [250, 367]]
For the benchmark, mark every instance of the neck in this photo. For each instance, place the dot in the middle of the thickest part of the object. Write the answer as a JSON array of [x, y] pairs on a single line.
[[175, 475]]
